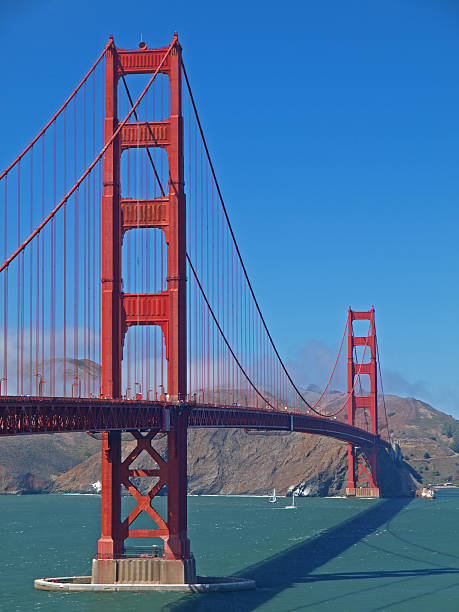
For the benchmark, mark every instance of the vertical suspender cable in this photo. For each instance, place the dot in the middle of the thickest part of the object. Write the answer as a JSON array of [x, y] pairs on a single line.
[[234, 239], [85, 251], [4, 386], [30, 277], [18, 334], [42, 277], [52, 278], [64, 288], [76, 255], [95, 199]]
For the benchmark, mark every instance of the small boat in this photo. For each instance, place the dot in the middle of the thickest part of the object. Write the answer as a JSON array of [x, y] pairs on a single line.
[[97, 486], [425, 493], [292, 507], [273, 498]]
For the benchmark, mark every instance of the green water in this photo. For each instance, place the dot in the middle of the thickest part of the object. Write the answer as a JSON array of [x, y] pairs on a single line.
[[329, 554]]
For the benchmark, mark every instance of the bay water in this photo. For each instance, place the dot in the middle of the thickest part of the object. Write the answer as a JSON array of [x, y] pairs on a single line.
[[329, 554]]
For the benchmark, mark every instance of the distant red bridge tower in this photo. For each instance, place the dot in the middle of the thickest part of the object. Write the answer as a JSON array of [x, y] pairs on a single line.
[[362, 470]]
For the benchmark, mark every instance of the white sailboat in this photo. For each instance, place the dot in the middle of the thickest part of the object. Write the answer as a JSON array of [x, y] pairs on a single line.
[[292, 507], [273, 498]]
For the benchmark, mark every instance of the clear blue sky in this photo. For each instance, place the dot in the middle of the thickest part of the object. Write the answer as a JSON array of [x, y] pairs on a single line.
[[334, 129]]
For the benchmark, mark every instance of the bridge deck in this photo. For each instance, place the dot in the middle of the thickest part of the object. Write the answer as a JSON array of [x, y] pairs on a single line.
[[35, 415]]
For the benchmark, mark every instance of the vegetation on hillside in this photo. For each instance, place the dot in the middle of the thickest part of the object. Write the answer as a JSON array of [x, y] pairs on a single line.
[[450, 429]]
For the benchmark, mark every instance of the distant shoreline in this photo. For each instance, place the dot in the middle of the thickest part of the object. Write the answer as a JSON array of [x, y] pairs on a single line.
[[264, 496]]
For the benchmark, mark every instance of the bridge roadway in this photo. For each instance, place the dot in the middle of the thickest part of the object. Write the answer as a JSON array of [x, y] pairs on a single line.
[[35, 415]]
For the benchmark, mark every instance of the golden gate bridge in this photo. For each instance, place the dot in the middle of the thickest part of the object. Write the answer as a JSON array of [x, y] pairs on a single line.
[[118, 250]]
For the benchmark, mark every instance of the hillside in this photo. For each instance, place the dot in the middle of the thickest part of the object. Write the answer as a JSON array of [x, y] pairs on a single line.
[[233, 461], [31, 464], [419, 429]]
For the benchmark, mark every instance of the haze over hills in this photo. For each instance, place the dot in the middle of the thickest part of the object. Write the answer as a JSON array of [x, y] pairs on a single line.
[[76, 376], [238, 462]]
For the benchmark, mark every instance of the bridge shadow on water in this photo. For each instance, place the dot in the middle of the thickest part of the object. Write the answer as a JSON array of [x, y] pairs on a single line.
[[295, 565]]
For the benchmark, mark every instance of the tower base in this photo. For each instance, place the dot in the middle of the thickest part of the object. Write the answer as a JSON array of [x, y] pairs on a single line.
[[363, 492], [203, 584], [138, 570]]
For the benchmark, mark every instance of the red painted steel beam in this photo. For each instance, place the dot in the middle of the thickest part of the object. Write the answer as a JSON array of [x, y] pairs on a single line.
[[145, 308], [152, 213], [143, 61], [147, 134], [362, 401], [362, 315], [364, 340]]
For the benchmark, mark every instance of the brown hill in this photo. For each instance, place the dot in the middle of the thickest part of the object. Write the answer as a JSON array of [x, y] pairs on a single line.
[[30, 464], [233, 461], [419, 429]]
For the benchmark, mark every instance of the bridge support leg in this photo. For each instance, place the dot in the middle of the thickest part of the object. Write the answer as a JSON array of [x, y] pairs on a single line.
[[350, 468], [110, 544], [177, 545]]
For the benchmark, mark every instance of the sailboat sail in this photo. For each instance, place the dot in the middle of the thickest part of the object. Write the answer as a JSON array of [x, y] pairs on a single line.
[[292, 507]]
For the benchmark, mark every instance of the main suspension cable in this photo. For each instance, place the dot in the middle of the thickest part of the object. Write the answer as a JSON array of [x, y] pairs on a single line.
[[357, 376], [236, 245], [128, 93], [75, 91], [249, 380], [334, 367], [382, 390], [89, 169]]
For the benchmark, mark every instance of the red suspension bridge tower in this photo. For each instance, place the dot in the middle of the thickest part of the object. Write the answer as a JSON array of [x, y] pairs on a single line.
[[166, 309], [362, 462]]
